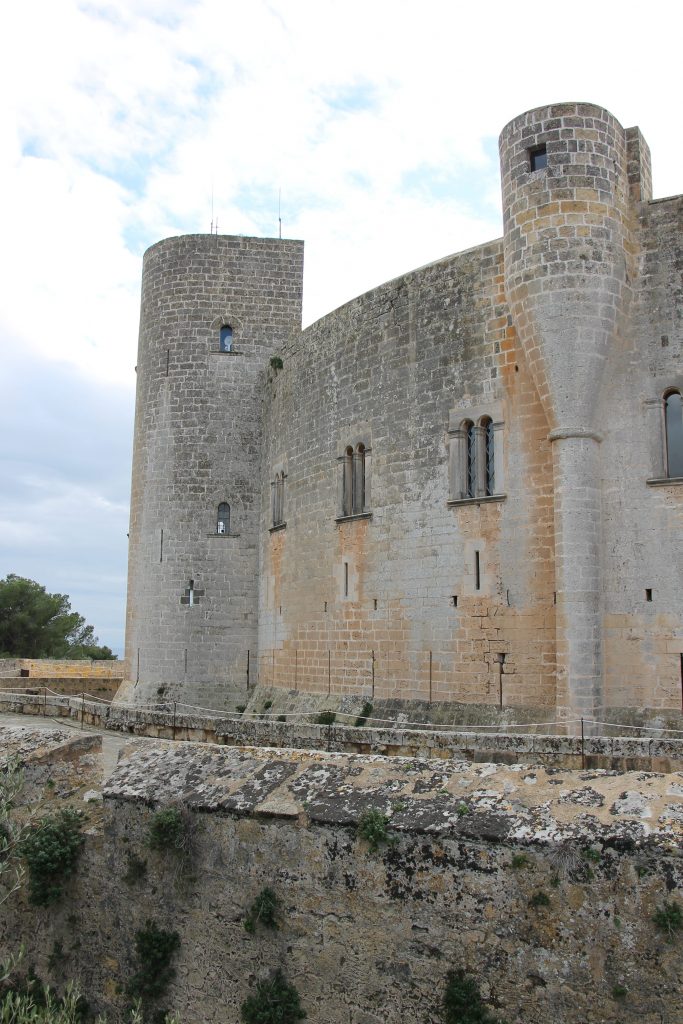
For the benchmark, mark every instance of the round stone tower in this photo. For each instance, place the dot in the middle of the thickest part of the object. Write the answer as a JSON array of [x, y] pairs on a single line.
[[568, 244], [214, 309]]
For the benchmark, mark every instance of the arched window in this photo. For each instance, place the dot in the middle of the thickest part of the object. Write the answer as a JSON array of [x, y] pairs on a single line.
[[223, 521], [486, 424], [225, 338], [359, 478], [673, 422], [470, 463], [279, 499]]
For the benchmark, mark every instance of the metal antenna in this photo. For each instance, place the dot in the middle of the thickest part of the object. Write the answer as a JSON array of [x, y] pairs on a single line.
[[279, 212], [212, 209]]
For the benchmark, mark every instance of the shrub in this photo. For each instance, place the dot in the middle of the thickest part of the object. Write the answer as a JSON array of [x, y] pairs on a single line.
[[619, 992], [274, 1002], [262, 911], [154, 948], [276, 362], [51, 851], [267, 704], [167, 831], [462, 1003], [282, 718], [520, 860], [241, 708], [539, 899], [669, 918], [326, 718], [365, 713], [372, 827]]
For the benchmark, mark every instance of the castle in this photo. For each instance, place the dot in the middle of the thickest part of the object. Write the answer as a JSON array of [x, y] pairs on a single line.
[[463, 486]]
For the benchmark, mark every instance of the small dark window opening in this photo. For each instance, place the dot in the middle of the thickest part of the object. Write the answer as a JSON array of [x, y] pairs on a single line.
[[346, 579], [454, 599], [538, 158], [648, 594], [223, 521], [477, 572], [226, 338], [375, 603]]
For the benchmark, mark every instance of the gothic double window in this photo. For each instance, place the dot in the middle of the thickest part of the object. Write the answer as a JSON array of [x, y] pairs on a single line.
[[354, 480], [473, 459]]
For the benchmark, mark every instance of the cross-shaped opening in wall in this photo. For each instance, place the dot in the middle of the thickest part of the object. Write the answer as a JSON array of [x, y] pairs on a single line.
[[191, 595]]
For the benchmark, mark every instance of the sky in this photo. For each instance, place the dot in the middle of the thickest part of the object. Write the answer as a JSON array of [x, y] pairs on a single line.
[[127, 121]]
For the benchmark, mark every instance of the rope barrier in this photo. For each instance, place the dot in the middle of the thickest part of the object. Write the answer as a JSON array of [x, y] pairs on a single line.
[[427, 728]]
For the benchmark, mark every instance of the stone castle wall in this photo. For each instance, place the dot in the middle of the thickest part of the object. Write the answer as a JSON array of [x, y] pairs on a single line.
[[366, 563], [556, 334]]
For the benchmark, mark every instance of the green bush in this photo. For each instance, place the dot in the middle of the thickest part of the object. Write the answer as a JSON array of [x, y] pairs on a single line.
[[373, 828], [520, 860], [51, 851], [462, 1003], [326, 718], [669, 918], [365, 713], [539, 899], [274, 1002], [276, 362], [263, 911], [154, 948], [167, 830]]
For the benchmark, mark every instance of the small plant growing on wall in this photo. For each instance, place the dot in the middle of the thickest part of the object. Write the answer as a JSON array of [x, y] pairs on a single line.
[[539, 899], [462, 1002], [669, 919], [373, 828], [154, 950], [263, 911], [276, 363], [365, 713], [326, 718], [274, 1002], [51, 852], [167, 830]]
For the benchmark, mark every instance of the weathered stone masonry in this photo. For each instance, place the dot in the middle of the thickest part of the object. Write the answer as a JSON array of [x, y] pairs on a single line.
[[368, 937], [546, 578]]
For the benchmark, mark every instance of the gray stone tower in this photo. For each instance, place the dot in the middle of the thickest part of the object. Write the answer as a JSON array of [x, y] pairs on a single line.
[[214, 309], [570, 176]]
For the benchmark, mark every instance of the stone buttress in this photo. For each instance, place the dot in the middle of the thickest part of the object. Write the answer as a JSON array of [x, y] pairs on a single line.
[[569, 253]]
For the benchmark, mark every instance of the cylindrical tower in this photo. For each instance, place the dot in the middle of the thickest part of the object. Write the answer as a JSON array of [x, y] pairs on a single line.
[[214, 309], [567, 251]]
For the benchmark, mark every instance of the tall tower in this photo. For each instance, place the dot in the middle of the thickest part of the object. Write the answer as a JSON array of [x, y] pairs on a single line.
[[568, 266], [214, 309]]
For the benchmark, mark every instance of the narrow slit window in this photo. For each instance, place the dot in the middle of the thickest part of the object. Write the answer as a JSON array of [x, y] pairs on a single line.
[[538, 158], [223, 520], [226, 338], [477, 571], [648, 594], [346, 579]]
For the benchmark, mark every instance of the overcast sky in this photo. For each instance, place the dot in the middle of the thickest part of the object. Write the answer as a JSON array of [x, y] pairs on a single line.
[[378, 120]]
